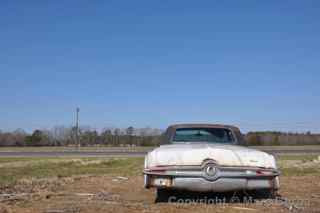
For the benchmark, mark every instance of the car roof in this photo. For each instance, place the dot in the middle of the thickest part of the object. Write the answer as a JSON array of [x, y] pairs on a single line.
[[172, 129], [197, 125]]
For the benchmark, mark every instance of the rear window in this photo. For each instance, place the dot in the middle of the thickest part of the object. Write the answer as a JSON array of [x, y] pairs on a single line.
[[210, 135]]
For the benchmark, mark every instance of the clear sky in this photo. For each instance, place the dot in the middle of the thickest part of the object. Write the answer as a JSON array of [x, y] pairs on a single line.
[[255, 64]]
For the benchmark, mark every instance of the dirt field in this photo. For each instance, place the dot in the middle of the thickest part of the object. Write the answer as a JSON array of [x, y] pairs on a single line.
[[111, 192]]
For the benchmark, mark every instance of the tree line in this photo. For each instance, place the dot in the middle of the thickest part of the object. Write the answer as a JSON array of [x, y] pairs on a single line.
[[272, 138], [67, 136]]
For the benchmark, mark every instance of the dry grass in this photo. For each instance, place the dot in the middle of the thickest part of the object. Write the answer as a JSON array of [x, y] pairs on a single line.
[[92, 185], [11, 170]]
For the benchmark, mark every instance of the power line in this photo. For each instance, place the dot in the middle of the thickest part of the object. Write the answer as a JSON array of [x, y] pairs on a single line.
[[77, 127]]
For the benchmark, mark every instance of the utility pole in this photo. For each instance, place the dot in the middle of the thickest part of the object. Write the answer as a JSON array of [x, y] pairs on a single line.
[[77, 127]]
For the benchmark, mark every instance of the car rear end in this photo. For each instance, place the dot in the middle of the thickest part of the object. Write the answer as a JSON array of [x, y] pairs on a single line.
[[210, 177]]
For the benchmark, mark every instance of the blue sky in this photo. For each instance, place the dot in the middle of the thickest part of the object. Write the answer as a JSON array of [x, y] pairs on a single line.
[[152, 63]]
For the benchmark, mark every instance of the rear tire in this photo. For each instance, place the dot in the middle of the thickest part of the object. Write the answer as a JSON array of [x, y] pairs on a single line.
[[266, 194], [162, 195]]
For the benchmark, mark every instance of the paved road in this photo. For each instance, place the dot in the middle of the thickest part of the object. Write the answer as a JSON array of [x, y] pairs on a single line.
[[112, 153], [73, 153]]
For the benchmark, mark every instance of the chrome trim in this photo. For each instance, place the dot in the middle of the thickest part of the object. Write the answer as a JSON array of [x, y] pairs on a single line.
[[210, 171], [220, 185], [221, 172]]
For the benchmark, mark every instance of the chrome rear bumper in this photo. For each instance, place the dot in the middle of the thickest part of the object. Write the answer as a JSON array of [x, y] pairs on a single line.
[[222, 184], [225, 179]]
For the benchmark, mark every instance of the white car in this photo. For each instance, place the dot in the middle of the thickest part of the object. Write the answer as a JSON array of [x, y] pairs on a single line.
[[208, 158]]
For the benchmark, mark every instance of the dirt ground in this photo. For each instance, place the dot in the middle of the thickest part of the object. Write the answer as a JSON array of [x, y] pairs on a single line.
[[120, 194]]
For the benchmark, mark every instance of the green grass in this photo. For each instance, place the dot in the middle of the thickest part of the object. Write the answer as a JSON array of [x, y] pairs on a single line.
[[47, 159], [11, 170], [22, 159]]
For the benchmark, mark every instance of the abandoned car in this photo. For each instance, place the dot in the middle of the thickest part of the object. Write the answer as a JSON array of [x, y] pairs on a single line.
[[208, 158]]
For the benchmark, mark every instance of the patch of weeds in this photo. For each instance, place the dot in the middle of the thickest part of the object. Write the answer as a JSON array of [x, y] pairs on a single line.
[[296, 171], [47, 168], [303, 158]]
